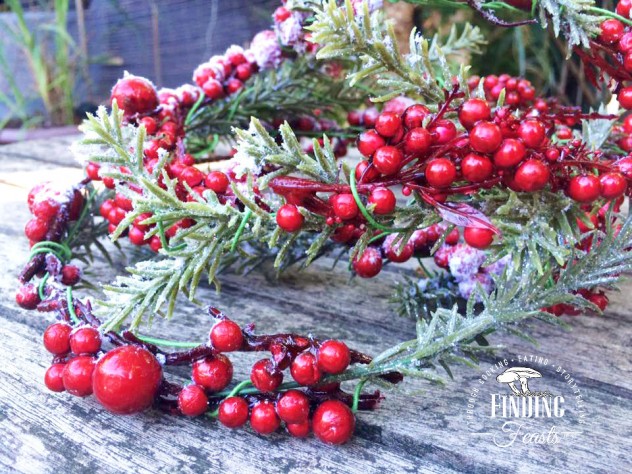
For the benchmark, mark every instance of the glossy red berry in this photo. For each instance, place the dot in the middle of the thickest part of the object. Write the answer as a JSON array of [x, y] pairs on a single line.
[[85, 340], [134, 95], [45, 209], [263, 418], [151, 127], [27, 296], [136, 236], [625, 97], [611, 31], [226, 336], [70, 275], [396, 253], [213, 89], [623, 8], [217, 182], [532, 133], [417, 141], [443, 131], [485, 137], [213, 373], [265, 376], [476, 168], [305, 370], [584, 188], [510, 153], [532, 175], [364, 173], [369, 264], [54, 378], [333, 357], [477, 237], [77, 376], [415, 115], [57, 338], [472, 111], [192, 401], [344, 206], [369, 142], [383, 199], [293, 407], [600, 300], [298, 430], [388, 124], [289, 218], [440, 173], [388, 160], [333, 422], [613, 185], [233, 412], [36, 230]]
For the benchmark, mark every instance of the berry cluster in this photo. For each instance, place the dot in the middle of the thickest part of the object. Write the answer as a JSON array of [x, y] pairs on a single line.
[[519, 93]]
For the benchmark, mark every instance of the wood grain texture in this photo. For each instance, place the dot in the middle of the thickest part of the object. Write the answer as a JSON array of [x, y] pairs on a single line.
[[46, 432]]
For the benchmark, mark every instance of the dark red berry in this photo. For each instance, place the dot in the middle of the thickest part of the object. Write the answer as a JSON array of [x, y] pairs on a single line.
[[510, 153], [613, 185], [369, 142], [333, 422], [600, 300], [27, 296], [217, 182], [383, 199], [263, 418], [293, 407], [85, 340], [298, 430], [233, 412], [304, 369], [584, 188], [477, 237], [485, 137], [126, 379], [134, 95], [532, 175], [77, 376], [226, 336], [265, 376], [369, 264], [417, 141], [364, 173], [333, 357], [532, 133], [396, 253], [387, 160], [344, 206], [192, 401], [472, 111], [213, 373], [476, 168], [57, 338], [54, 378], [289, 218], [70, 275], [440, 173]]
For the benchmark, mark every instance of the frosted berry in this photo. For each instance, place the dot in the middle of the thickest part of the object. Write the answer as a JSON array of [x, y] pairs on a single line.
[[476, 168], [265, 376], [27, 296], [135, 95], [510, 153], [233, 412], [263, 418], [440, 173], [387, 160], [613, 185], [77, 376], [388, 124], [485, 137], [36, 230], [226, 336], [477, 237], [289, 218], [472, 111], [213, 373], [333, 422], [344, 206], [85, 340], [57, 338], [369, 264], [217, 182], [293, 407], [584, 188], [192, 401], [333, 357], [532, 175], [369, 142], [383, 199], [54, 378], [600, 300], [305, 370]]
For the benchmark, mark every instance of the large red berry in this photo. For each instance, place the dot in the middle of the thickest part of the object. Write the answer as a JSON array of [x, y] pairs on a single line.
[[57, 338], [584, 188], [613, 185], [472, 111], [415, 115], [510, 153], [417, 141], [611, 31], [477, 237], [532, 175], [532, 133], [77, 376], [126, 379], [265, 376], [623, 8], [369, 142], [383, 199], [369, 263], [476, 168], [27, 296], [388, 124], [293, 407], [333, 422], [263, 418], [289, 218], [85, 340], [135, 95], [217, 182], [485, 137], [387, 160], [226, 336], [443, 131], [440, 173], [625, 97], [213, 373], [233, 412], [344, 206], [305, 370], [333, 357], [192, 401], [54, 378], [45, 209]]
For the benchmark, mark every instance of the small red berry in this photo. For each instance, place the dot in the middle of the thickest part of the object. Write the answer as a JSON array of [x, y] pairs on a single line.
[[485, 137], [600, 300], [472, 111], [476, 168], [293, 407], [134, 95], [54, 378], [387, 160], [383, 199], [265, 376], [27, 296], [333, 357], [70, 275], [613, 185], [532, 175], [611, 31], [333, 422], [151, 127], [36, 230], [85, 340], [77, 376], [415, 115], [510, 153], [344, 206], [364, 173], [304, 369], [417, 141], [443, 131], [192, 401], [289, 218], [625, 97], [233, 85], [477, 237], [369, 142], [298, 430], [369, 264], [388, 124], [217, 182], [213, 89], [584, 188], [532, 133], [233, 412], [213, 373], [226, 336], [440, 173], [136, 236], [92, 171], [263, 418], [57, 338]]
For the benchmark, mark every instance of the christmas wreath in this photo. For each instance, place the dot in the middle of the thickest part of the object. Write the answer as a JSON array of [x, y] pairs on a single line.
[[515, 197]]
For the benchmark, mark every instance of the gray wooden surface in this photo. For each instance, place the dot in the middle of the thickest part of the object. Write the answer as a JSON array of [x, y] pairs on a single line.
[[425, 432]]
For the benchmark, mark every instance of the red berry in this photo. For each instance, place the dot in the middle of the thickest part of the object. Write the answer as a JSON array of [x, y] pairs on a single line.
[[485, 137], [213, 89], [134, 95], [126, 379], [369, 142], [226, 336], [532, 133], [233, 85], [289, 218], [443, 131], [213, 373], [369, 263], [293, 407], [92, 171], [217, 182], [417, 141], [192, 401], [440, 173], [600, 300], [298, 430], [77, 376], [476, 168], [477, 237], [36, 230], [532, 175], [265, 376], [510, 153], [263, 418], [453, 237], [396, 253], [623, 8], [611, 31], [364, 173], [155, 244], [304, 369], [57, 338], [333, 357], [415, 115], [136, 236], [70, 275], [233, 412], [344, 206], [387, 160], [151, 127], [584, 188], [27, 296], [85, 340], [333, 422], [472, 111], [54, 378], [625, 97], [383, 199], [613, 185], [46, 209], [370, 117], [388, 124]]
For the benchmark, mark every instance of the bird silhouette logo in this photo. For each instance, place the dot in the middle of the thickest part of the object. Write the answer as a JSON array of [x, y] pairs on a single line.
[[518, 374]]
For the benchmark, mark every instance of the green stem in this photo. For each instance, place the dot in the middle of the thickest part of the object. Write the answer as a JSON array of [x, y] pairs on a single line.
[[240, 229], [610, 14], [71, 306], [163, 239], [168, 343], [239, 388], [356, 395], [364, 210]]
